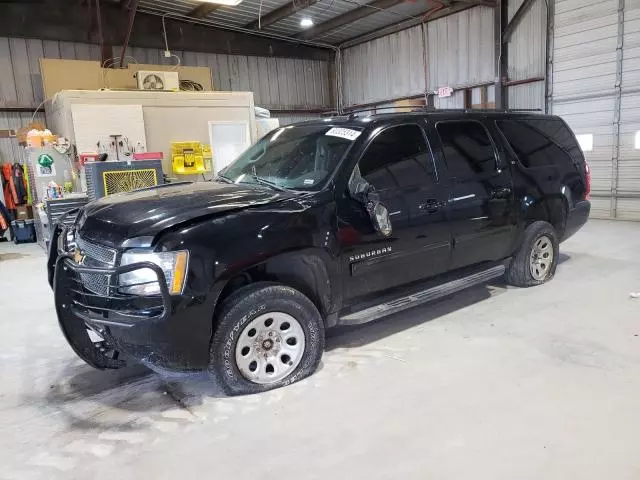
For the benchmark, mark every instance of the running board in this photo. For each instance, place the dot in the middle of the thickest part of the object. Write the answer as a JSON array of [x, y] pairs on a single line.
[[425, 296]]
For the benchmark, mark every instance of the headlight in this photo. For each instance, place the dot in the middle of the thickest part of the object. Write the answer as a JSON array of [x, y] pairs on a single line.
[[66, 240], [145, 281]]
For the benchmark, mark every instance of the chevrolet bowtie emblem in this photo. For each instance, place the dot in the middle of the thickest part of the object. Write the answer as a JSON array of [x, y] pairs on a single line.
[[78, 256]]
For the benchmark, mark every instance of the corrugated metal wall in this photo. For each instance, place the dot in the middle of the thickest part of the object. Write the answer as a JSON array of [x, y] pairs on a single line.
[[9, 149], [596, 88], [277, 83], [287, 119], [527, 52], [383, 69], [459, 52], [460, 49]]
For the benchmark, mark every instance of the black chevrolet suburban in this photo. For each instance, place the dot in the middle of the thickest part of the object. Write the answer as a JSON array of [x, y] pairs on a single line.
[[331, 222]]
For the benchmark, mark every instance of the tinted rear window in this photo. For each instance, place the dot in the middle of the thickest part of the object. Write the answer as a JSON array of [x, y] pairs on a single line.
[[561, 134], [467, 149], [534, 141]]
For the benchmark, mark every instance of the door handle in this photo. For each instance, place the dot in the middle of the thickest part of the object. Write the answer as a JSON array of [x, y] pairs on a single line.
[[431, 206], [502, 192]]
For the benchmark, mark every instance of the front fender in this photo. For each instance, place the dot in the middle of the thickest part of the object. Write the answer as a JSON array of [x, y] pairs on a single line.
[[295, 246], [309, 270]]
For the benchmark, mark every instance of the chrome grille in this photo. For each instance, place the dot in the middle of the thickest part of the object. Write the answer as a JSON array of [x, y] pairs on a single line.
[[104, 255], [96, 256], [96, 283]]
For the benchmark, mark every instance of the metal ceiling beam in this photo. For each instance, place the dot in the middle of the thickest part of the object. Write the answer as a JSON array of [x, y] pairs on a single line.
[[132, 17], [517, 18], [281, 13], [349, 17], [476, 3], [25, 20], [201, 11]]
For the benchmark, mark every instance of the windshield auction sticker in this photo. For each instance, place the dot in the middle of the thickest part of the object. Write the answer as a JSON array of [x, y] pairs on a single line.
[[345, 133]]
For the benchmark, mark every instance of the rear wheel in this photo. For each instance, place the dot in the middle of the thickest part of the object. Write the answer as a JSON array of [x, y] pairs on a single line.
[[268, 335], [541, 259], [536, 260]]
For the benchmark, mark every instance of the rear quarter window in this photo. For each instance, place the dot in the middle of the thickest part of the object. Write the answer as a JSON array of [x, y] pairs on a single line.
[[557, 130], [541, 142]]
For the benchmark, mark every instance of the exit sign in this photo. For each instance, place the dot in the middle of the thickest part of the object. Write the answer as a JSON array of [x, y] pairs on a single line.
[[445, 92]]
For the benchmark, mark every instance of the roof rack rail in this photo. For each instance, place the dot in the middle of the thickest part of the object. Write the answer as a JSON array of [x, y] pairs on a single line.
[[414, 109]]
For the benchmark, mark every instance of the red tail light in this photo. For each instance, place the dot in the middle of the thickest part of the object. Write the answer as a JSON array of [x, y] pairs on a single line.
[[587, 171]]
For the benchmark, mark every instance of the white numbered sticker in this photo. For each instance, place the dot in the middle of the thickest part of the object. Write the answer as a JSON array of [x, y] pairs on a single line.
[[345, 133]]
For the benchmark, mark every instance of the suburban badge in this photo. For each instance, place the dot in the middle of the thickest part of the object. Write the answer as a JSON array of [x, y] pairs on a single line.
[[370, 254]]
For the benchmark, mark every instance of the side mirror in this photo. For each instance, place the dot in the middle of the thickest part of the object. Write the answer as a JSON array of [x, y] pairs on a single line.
[[380, 218], [358, 187], [361, 191]]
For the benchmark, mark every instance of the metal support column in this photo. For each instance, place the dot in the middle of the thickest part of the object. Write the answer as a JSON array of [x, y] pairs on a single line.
[[548, 86], [501, 53], [615, 158]]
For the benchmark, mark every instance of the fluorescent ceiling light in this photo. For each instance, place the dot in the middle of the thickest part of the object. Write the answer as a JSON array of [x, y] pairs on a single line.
[[306, 22], [230, 3]]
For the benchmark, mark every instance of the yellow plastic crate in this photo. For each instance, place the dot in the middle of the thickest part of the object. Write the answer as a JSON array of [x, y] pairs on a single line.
[[188, 158]]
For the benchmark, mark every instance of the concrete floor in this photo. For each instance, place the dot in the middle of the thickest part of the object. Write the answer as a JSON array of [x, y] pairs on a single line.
[[493, 383]]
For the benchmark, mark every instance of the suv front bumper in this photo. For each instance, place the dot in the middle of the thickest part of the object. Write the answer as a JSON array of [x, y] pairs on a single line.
[[160, 331]]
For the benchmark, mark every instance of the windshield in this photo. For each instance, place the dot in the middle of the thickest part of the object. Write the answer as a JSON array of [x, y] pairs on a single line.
[[298, 157]]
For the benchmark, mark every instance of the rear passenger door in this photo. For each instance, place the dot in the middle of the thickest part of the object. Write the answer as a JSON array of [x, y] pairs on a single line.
[[426, 198], [481, 199]]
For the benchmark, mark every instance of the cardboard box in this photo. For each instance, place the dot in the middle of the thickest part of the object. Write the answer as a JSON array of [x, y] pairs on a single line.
[[22, 132], [24, 212], [409, 103]]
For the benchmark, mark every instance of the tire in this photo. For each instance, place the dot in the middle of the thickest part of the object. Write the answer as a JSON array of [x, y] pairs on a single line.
[[293, 352], [534, 250]]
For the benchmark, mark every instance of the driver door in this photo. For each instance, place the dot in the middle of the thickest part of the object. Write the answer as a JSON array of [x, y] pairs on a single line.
[[398, 164]]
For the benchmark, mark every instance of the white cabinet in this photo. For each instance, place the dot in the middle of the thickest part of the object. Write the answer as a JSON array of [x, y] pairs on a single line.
[[167, 116]]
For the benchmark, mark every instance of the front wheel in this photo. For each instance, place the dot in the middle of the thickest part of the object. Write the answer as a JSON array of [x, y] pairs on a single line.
[[267, 336], [536, 260]]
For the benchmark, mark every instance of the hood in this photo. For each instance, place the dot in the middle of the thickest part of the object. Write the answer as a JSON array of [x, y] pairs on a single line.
[[145, 213]]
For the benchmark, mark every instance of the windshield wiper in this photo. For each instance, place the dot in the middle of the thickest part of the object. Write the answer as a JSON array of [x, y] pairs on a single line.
[[273, 185]]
